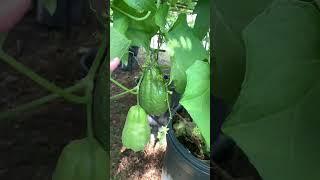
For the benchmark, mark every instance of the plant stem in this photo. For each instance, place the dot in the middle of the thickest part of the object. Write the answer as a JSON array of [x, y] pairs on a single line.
[[168, 103], [124, 93], [90, 83], [40, 80], [138, 102], [131, 16], [35, 103], [89, 112], [119, 84]]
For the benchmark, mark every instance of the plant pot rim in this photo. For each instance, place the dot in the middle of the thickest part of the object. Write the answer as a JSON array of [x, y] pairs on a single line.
[[186, 154]]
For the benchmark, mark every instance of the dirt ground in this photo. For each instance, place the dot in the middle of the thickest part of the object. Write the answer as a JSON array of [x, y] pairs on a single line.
[[31, 143]]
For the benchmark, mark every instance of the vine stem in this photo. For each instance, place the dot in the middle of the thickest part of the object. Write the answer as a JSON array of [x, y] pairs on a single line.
[[124, 93], [168, 103], [38, 79], [35, 103], [89, 111], [119, 84], [90, 84], [131, 16], [138, 102]]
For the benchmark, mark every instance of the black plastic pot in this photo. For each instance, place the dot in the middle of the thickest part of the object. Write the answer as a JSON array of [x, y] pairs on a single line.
[[180, 164]]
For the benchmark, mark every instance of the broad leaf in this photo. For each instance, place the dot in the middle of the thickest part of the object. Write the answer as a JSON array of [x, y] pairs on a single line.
[[229, 19], [141, 5], [185, 48], [139, 32], [119, 44], [276, 118], [161, 15], [120, 22], [178, 76], [196, 98], [202, 23], [50, 5]]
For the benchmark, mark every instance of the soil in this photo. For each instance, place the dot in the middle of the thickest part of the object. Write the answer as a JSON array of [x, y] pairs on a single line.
[[31, 143], [194, 143]]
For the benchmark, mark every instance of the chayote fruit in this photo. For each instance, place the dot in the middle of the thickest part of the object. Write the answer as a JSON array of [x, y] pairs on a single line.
[[153, 92], [82, 159], [136, 131]]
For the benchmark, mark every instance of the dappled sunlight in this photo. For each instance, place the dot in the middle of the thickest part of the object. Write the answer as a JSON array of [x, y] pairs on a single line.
[[185, 43]]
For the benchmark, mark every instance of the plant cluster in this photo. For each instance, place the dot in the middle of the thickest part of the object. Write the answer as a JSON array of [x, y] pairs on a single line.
[[135, 22]]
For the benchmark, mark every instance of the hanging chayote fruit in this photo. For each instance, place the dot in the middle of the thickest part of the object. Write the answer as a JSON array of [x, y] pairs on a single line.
[[136, 131], [82, 159]]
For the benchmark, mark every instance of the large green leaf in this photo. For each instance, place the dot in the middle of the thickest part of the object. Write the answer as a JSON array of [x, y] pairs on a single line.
[[230, 17], [139, 32], [196, 98], [185, 48], [202, 23], [119, 44], [120, 22], [161, 15], [276, 118], [141, 5]]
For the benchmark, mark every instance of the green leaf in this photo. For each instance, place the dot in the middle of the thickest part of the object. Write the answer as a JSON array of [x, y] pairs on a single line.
[[229, 19], [196, 98], [141, 5], [119, 44], [138, 32], [161, 15], [178, 76], [120, 22], [276, 117], [185, 48], [139, 38], [172, 2], [50, 5], [202, 22], [162, 134]]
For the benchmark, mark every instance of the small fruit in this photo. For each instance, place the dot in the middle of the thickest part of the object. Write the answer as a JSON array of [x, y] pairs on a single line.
[[136, 131]]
